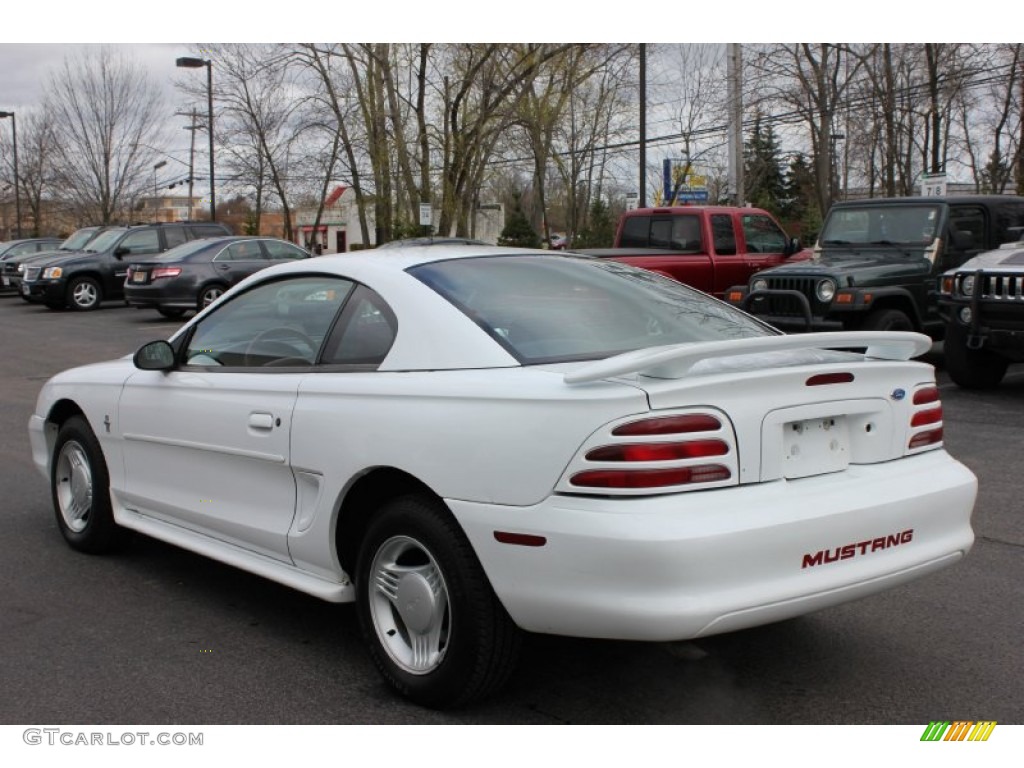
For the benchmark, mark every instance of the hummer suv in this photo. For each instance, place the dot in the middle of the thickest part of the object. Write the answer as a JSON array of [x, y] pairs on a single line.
[[982, 303]]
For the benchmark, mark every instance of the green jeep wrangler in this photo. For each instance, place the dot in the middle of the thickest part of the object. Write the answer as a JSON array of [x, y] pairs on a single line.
[[877, 261]]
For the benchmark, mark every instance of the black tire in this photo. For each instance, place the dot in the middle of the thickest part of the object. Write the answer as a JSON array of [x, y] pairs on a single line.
[[208, 295], [172, 313], [80, 487], [84, 294], [971, 368], [887, 320], [419, 584]]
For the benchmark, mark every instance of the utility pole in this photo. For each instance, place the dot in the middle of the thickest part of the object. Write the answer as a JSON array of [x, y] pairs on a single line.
[[734, 71], [643, 125]]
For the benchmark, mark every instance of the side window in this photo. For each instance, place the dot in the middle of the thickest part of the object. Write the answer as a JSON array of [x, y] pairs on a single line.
[[279, 250], [968, 220], [686, 234], [245, 250], [762, 234], [199, 231], [365, 331], [280, 323], [141, 242], [1009, 223], [23, 248], [724, 234], [636, 232], [174, 236]]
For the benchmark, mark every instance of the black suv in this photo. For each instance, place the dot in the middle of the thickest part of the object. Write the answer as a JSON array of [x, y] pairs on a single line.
[[83, 279], [876, 264], [982, 302]]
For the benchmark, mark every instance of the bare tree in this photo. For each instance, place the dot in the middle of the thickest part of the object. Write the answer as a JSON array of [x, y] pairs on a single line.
[[106, 117]]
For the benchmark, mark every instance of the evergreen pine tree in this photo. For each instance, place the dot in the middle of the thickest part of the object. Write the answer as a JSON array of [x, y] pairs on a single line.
[[600, 229], [765, 184], [518, 232]]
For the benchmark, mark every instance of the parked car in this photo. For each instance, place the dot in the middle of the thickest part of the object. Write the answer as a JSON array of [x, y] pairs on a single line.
[[708, 247], [468, 442], [982, 302], [876, 263], [194, 274], [13, 252], [83, 279]]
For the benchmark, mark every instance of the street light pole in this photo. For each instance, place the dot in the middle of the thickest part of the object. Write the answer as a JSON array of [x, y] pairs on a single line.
[[156, 194], [193, 63], [17, 185]]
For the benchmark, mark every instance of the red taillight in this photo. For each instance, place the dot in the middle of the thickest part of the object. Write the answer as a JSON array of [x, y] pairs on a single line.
[[159, 272], [650, 478], [669, 425], [931, 416], [924, 417], [693, 449], [928, 437]]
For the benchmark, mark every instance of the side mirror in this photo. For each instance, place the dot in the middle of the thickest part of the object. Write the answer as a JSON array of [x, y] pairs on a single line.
[[121, 250], [154, 356], [793, 246]]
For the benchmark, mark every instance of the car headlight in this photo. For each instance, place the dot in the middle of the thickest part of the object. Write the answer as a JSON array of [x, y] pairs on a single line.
[[825, 290], [759, 285], [51, 273], [967, 285]]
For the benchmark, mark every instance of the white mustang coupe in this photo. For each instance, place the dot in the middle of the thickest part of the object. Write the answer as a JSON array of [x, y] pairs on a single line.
[[471, 441]]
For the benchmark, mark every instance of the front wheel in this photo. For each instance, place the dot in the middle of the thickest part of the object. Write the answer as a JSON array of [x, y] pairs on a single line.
[[84, 294], [971, 368], [434, 626], [80, 487], [888, 320]]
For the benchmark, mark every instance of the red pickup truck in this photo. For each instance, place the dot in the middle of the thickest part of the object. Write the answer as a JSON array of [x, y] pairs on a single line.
[[711, 248]]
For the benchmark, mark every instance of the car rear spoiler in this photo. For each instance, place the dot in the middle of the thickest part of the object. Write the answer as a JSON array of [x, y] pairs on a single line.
[[676, 360]]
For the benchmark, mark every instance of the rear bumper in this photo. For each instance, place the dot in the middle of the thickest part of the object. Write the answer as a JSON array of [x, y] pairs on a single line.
[[695, 564]]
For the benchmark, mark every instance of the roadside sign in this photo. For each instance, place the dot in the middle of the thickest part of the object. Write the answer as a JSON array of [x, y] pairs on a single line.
[[933, 185], [426, 215]]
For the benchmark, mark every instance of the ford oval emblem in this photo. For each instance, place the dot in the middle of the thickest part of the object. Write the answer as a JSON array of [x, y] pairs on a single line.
[[898, 394]]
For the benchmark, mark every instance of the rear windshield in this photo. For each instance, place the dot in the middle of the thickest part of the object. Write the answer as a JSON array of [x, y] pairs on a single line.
[[181, 251], [562, 308]]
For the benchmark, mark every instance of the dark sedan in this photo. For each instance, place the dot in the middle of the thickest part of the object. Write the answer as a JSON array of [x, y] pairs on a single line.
[[195, 274]]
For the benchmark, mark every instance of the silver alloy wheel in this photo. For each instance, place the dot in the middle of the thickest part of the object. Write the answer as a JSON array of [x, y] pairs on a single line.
[[85, 294], [209, 296], [409, 605], [73, 478]]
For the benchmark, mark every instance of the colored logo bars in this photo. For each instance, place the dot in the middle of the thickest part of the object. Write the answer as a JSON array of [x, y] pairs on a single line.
[[958, 730]]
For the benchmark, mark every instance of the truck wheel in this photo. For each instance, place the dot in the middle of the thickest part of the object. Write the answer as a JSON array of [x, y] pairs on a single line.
[[84, 294], [887, 320], [971, 368]]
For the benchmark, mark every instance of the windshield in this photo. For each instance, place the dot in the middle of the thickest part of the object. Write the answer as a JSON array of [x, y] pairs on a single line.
[[882, 225], [559, 308], [78, 239], [105, 240]]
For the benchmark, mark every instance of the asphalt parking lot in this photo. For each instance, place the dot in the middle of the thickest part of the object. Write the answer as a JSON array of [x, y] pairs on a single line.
[[158, 635]]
